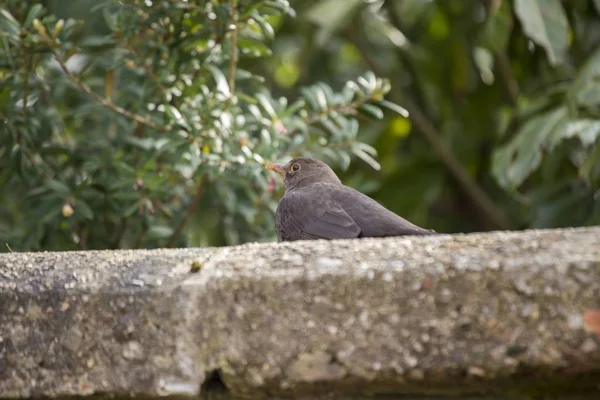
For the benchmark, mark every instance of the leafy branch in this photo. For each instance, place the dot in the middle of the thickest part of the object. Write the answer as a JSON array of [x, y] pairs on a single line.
[[434, 137], [86, 89], [189, 212], [233, 57]]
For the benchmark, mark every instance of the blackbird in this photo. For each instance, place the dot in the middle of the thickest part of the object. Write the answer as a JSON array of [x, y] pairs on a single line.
[[316, 205]]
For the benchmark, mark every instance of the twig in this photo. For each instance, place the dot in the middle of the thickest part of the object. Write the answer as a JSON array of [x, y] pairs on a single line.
[[82, 243], [193, 205], [345, 109], [26, 81], [104, 101], [502, 60], [510, 83], [233, 58], [120, 233], [109, 104], [149, 71], [48, 99], [469, 185]]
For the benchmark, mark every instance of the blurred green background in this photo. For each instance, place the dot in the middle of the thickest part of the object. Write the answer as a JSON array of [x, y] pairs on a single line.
[[146, 123]]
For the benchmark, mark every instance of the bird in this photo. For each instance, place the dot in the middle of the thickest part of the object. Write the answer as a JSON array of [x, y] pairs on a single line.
[[317, 205]]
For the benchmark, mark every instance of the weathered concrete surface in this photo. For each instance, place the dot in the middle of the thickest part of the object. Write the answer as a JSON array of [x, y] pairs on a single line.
[[485, 314]]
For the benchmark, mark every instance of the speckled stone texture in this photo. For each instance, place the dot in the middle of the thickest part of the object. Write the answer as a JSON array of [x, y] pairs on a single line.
[[495, 315]]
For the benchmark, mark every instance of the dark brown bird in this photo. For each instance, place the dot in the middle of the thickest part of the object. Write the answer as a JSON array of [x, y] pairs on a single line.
[[316, 205]]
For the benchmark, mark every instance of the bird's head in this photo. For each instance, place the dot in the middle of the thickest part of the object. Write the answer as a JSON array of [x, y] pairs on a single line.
[[303, 171]]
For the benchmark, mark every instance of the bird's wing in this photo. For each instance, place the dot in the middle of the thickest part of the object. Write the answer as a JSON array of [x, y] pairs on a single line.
[[373, 218], [299, 217]]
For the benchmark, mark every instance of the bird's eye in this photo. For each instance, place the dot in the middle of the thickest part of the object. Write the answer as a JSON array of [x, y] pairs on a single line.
[[295, 167]]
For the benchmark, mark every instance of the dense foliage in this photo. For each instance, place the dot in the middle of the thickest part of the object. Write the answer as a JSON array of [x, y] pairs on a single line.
[[147, 123]]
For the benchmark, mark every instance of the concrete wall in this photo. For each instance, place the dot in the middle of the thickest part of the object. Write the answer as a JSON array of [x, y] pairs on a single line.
[[496, 315]]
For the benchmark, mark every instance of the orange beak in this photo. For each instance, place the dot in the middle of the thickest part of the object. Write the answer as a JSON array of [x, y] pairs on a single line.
[[279, 168]]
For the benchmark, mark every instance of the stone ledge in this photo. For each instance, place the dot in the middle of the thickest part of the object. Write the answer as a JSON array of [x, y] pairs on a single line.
[[482, 314]]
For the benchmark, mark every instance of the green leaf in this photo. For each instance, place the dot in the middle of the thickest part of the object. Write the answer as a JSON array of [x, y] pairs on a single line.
[[587, 130], [352, 87], [561, 210], [98, 42], [253, 47], [590, 168], [18, 160], [351, 127], [265, 27], [333, 129], [129, 211], [294, 108], [362, 150], [321, 97], [368, 81], [266, 105], [111, 19], [501, 160], [528, 107], [372, 110], [394, 107], [242, 74], [34, 12], [84, 209], [330, 14], [284, 8], [597, 4], [265, 137], [545, 22], [514, 162], [37, 191], [310, 96], [589, 97], [175, 115], [484, 60], [160, 232], [366, 148], [497, 29], [345, 160], [586, 88], [8, 22], [143, 143], [330, 154], [57, 187], [55, 150], [50, 216], [222, 85]]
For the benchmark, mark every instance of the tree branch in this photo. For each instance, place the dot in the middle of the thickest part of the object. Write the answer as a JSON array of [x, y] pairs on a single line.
[[510, 83], [420, 120], [233, 58], [192, 207], [343, 109], [469, 185], [149, 71], [104, 101]]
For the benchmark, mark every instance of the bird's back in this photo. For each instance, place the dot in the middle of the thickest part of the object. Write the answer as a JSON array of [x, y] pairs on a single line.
[[335, 211], [373, 219]]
